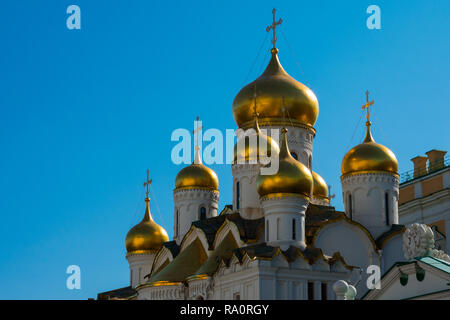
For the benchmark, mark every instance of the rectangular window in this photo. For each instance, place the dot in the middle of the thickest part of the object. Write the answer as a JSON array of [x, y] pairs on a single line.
[[310, 290], [238, 194], [267, 230], [278, 229], [350, 208], [386, 207], [324, 291], [176, 224], [294, 231]]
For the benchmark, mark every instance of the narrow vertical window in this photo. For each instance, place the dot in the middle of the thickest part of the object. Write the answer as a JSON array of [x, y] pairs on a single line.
[[202, 213], [278, 229], [238, 195], [350, 207], [310, 290], [310, 162], [294, 230], [324, 291], [386, 207], [176, 223], [267, 230]]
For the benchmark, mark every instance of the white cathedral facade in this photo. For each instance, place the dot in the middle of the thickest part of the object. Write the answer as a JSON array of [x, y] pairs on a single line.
[[280, 238]]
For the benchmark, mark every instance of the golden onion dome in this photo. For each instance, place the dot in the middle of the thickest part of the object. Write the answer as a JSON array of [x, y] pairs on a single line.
[[369, 156], [197, 175], [320, 188], [254, 146], [274, 85], [146, 236], [292, 177]]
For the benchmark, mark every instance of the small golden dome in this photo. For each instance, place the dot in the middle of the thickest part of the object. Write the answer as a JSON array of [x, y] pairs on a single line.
[[146, 236], [274, 85], [320, 188], [197, 175], [249, 152], [369, 156], [292, 177]]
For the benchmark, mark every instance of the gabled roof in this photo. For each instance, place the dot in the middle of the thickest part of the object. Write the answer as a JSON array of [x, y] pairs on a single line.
[[394, 230], [435, 263], [173, 247], [223, 251], [266, 252], [249, 230], [185, 264], [228, 209], [316, 216], [396, 271]]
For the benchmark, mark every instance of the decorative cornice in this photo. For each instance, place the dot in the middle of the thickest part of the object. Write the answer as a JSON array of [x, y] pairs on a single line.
[[184, 189], [282, 195], [368, 172], [270, 122], [141, 252]]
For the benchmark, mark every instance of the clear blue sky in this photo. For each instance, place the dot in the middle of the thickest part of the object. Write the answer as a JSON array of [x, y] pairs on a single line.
[[85, 112]]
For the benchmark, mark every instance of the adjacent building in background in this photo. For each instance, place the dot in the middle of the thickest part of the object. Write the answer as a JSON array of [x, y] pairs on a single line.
[[425, 195]]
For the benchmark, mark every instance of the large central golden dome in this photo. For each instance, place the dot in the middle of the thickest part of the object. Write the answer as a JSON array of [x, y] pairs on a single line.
[[369, 156], [274, 86]]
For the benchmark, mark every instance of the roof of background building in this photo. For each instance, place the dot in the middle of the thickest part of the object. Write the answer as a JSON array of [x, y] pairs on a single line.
[[122, 293]]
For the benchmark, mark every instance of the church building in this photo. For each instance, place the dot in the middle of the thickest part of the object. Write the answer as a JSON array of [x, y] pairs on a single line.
[[280, 238]]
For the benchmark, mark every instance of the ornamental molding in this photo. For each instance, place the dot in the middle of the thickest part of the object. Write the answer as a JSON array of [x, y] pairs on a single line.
[[298, 129], [418, 241], [245, 167], [369, 177], [196, 194], [163, 292], [198, 288]]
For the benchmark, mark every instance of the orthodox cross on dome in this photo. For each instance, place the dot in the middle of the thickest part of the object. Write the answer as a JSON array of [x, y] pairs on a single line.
[[147, 183], [330, 196], [197, 158], [195, 132], [273, 27], [367, 105]]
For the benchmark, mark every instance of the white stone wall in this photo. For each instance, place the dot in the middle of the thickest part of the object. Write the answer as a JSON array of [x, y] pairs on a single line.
[[354, 245], [187, 208], [279, 214], [140, 266], [300, 141], [169, 292], [392, 252], [368, 200], [246, 175]]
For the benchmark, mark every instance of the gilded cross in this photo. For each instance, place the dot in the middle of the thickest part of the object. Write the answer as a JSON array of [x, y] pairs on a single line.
[[367, 105], [330, 196], [273, 27], [148, 182], [196, 131]]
